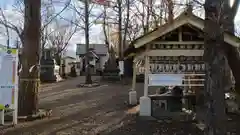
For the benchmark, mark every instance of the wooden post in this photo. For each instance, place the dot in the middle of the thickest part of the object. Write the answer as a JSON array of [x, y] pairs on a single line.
[[146, 75], [180, 34], [189, 84], [133, 93], [2, 117], [134, 76], [145, 101]]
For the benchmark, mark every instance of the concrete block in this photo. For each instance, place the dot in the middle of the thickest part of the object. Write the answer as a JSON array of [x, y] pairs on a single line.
[[132, 97], [145, 106]]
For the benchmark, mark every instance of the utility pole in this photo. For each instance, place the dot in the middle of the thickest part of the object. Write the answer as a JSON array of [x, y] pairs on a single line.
[[88, 79]]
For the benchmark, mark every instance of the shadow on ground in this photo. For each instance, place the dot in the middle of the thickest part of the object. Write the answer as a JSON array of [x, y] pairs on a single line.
[[133, 125], [77, 112], [96, 111]]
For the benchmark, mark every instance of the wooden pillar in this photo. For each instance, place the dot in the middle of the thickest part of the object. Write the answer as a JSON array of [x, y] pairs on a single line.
[[180, 34], [189, 83], [146, 70], [145, 101], [133, 92], [134, 76]]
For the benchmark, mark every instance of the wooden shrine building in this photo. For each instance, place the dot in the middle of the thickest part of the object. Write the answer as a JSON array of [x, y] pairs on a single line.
[[172, 49]]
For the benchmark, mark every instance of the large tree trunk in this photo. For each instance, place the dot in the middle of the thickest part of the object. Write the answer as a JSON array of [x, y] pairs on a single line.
[[126, 27], [120, 43], [215, 68], [88, 79], [232, 53], [29, 79]]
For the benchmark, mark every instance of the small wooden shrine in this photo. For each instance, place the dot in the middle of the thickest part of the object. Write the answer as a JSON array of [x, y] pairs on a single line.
[[172, 49]]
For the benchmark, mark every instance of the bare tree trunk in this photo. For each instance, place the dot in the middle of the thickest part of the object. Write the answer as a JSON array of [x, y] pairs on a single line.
[[161, 14], [88, 72], [126, 24], [28, 92], [120, 45], [215, 68], [111, 63], [232, 53], [147, 26], [105, 31], [170, 11]]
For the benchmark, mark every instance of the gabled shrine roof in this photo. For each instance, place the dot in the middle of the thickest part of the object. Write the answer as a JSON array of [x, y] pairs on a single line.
[[183, 19]]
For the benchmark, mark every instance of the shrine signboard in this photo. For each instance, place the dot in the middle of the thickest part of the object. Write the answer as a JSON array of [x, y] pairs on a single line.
[[8, 80], [165, 79]]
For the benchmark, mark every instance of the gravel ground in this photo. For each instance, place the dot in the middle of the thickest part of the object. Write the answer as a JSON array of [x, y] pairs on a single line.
[[93, 111]]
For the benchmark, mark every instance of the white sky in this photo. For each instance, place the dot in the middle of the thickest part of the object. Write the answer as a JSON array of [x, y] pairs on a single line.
[[96, 35]]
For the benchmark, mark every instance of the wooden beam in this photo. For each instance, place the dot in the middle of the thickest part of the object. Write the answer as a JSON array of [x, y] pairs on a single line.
[[175, 53], [184, 85], [180, 33], [182, 74], [139, 56], [159, 32], [230, 39], [178, 42], [178, 22]]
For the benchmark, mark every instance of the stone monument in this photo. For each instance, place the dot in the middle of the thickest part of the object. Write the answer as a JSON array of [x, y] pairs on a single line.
[[47, 67], [111, 70]]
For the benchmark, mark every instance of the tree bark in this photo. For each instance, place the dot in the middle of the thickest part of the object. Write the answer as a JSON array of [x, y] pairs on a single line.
[[126, 27], [215, 61], [232, 53], [105, 30], [120, 43], [170, 11], [29, 80], [88, 79]]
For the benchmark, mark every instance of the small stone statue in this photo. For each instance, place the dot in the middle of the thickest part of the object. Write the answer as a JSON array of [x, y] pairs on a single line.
[[73, 72]]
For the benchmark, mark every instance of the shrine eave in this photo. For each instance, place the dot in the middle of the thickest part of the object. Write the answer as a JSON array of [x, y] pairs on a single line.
[[131, 51], [183, 19]]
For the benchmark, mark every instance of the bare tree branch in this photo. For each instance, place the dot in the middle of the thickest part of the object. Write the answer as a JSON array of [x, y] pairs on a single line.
[[235, 7], [59, 13]]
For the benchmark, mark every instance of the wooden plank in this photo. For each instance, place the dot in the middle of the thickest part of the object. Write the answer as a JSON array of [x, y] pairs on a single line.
[[178, 42], [193, 85], [175, 53], [178, 22]]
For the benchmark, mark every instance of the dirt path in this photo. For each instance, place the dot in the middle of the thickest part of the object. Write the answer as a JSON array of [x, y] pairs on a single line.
[[92, 111], [76, 110]]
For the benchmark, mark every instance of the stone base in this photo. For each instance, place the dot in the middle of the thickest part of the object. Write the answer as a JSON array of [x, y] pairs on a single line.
[[42, 113], [132, 97], [58, 78], [88, 85], [145, 106]]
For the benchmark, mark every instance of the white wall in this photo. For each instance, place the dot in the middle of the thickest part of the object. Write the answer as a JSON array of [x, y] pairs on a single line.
[[68, 66]]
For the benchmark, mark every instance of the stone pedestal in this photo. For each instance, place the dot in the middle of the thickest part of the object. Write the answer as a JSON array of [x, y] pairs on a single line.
[[132, 97], [49, 70], [145, 106]]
